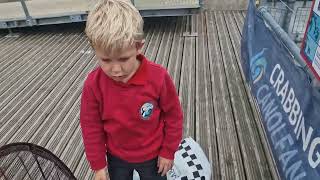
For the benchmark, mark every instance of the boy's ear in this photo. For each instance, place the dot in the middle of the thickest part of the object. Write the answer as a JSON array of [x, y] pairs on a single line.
[[139, 45]]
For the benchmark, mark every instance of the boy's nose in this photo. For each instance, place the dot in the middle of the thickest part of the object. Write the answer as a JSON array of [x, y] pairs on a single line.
[[116, 69]]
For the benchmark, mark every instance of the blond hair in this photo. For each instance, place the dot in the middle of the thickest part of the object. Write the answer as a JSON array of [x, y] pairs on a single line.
[[113, 25]]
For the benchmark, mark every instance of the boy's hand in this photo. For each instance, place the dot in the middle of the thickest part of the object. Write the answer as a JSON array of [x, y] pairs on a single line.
[[101, 175], [164, 165]]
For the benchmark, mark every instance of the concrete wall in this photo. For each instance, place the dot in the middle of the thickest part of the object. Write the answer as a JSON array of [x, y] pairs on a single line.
[[3, 1], [209, 4], [226, 4]]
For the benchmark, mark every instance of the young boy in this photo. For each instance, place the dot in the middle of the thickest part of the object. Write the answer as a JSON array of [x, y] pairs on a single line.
[[130, 111]]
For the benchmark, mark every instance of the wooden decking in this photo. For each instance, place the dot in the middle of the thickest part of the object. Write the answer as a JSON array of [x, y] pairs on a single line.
[[41, 76]]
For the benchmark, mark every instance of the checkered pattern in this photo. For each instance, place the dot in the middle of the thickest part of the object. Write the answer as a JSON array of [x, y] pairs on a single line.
[[194, 164]]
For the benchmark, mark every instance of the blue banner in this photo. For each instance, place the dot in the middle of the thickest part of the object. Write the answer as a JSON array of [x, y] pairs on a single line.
[[288, 104]]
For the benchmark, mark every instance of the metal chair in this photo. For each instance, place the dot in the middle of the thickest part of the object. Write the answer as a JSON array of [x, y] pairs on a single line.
[[30, 161]]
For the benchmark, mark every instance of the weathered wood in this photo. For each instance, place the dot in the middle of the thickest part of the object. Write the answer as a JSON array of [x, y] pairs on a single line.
[[56, 118], [41, 77], [24, 76], [175, 58], [243, 13], [10, 41], [147, 35], [153, 46], [82, 169], [230, 159], [187, 83], [254, 162], [24, 108], [205, 120], [165, 47], [12, 63], [238, 18], [238, 21], [52, 101]]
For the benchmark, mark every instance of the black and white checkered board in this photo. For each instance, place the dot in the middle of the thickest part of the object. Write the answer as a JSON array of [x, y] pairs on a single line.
[[193, 162]]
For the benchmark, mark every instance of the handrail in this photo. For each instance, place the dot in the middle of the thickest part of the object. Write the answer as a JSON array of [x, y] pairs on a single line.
[[288, 42], [26, 12]]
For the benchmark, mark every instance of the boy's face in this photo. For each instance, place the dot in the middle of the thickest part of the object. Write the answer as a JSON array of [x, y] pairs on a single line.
[[120, 65]]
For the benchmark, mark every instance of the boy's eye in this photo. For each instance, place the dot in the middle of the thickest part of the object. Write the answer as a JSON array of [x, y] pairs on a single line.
[[105, 60], [123, 59]]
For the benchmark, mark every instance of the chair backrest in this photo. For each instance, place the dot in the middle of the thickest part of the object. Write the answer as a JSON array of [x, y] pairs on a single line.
[[29, 161]]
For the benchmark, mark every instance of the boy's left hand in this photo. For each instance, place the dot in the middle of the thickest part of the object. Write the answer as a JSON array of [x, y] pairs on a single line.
[[164, 165]]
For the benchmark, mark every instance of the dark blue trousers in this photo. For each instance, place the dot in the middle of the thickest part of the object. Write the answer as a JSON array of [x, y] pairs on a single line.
[[122, 170]]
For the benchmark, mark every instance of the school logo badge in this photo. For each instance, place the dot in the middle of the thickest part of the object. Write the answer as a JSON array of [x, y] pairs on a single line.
[[146, 110]]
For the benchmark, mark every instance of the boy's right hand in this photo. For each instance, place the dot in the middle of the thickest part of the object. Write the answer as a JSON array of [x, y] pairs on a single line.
[[101, 175]]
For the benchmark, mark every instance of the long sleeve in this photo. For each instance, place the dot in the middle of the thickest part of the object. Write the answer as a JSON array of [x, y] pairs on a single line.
[[173, 118], [92, 129]]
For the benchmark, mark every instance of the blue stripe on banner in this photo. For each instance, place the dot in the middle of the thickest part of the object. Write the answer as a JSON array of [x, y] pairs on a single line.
[[288, 105]]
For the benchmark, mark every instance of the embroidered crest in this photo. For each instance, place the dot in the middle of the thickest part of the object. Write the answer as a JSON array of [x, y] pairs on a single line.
[[146, 110]]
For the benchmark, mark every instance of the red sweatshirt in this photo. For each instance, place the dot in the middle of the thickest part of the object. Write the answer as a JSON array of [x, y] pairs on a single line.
[[135, 121]]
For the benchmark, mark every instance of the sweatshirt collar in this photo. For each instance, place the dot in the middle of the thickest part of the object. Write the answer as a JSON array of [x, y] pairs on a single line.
[[140, 76]]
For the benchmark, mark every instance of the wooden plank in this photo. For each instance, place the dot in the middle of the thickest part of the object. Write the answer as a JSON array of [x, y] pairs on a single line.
[[6, 37], [72, 159], [36, 96], [3, 35], [71, 95], [19, 170], [252, 151], [7, 40], [148, 28], [230, 160], [14, 64], [43, 107], [60, 146], [12, 164], [153, 46], [31, 122], [63, 145], [66, 122], [253, 107], [187, 84], [244, 14], [46, 129], [73, 151], [11, 58], [83, 169], [166, 42], [12, 78], [239, 20], [175, 58], [197, 65], [62, 122], [55, 118], [20, 77], [73, 116], [57, 143], [10, 43], [205, 124]]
